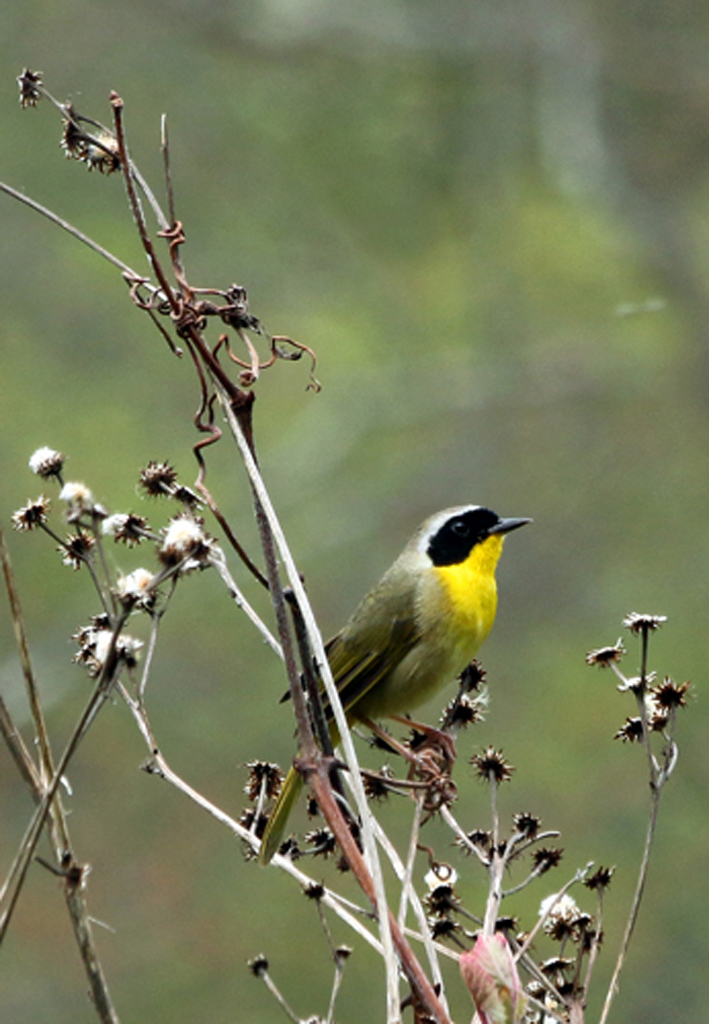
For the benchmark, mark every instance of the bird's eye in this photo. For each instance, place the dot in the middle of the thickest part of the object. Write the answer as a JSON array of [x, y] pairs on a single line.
[[460, 527]]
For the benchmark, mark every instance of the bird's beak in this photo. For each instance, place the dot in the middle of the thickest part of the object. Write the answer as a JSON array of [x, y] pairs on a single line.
[[507, 525]]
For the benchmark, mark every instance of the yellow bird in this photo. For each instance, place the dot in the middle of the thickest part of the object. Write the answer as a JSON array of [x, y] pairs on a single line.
[[415, 631]]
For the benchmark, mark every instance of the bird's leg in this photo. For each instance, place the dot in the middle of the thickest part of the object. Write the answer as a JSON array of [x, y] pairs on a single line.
[[436, 738], [438, 746], [387, 738]]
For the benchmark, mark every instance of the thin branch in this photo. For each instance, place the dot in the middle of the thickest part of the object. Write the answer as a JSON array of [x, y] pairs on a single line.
[[18, 872], [66, 226], [218, 560], [635, 907]]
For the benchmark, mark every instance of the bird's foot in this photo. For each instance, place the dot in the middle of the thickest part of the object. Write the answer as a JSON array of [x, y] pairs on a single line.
[[430, 763], [431, 743]]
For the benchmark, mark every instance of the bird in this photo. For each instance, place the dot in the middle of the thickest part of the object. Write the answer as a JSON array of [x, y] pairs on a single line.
[[413, 632]]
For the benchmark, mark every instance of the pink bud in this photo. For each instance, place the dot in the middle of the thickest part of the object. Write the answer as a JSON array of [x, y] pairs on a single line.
[[490, 973]]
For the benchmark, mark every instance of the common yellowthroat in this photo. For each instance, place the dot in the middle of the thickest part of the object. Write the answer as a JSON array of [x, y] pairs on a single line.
[[415, 630]]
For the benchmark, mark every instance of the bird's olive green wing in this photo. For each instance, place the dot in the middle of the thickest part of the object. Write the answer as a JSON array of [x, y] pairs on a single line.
[[378, 636]]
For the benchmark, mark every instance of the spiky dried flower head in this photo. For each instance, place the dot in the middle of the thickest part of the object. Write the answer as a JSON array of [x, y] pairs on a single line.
[[127, 528], [158, 479], [630, 731], [546, 858], [31, 515], [564, 918], [441, 900], [47, 462], [97, 149], [527, 824], [253, 822], [479, 838], [321, 841], [77, 549], [375, 784], [314, 891], [638, 624], [137, 589], [31, 88], [462, 711], [259, 965], [669, 695], [472, 677], [95, 644], [600, 879], [492, 766], [556, 965], [343, 953], [79, 499], [185, 542], [605, 656], [443, 928], [264, 777]]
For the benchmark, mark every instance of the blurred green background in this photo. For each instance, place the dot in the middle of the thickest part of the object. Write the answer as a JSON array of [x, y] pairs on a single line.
[[491, 222]]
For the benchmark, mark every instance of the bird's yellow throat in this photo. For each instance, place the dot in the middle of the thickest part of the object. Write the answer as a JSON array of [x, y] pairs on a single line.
[[470, 588]]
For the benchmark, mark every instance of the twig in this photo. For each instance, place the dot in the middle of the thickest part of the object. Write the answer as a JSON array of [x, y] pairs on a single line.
[[66, 226], [635, 906], [18, 872], [73, 874], [218, 560]]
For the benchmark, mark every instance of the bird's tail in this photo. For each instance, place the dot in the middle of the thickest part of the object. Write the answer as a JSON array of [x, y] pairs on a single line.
[[276, 825]]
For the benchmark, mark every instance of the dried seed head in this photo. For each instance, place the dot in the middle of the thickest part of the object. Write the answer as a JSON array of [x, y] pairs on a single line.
[[564, 918], [126, 527], [254, 823], [604, 656], [546, 858], [668, 694], [441, 900], [527, 824], [31, 87], [643, 623], [77, 549], [264, 776], [656, 715], [480, 838], [631, 731], [136, 590], [461, 712], [491, 765], [472, 677], [258, 966], [78, 498], [556, 965], [95, 647], [444, 928], [97, 149], [321, 840], [46, 462], [289, 848], [31, 515], [185, 541], [600, 879], [158, 479]]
